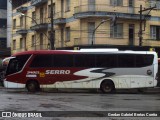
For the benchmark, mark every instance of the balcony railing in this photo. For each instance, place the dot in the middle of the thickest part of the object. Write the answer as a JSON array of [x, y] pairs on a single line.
[[40, 24], [39, 47], [38, 2], [43, 23], [100, 41], [106, 10], [22, 31], [22, 9], [59, 18], [59, 15], [22, 49]]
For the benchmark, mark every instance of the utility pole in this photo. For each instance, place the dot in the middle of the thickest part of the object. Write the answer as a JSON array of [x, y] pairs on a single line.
[[52, 36], [141, 22]]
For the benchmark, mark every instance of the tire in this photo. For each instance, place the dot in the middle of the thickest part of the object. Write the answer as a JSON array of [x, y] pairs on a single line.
[[32, 86], [141, 90], [107, 87]]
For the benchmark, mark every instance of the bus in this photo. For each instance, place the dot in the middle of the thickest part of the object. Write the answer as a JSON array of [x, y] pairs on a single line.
[[106, 70]]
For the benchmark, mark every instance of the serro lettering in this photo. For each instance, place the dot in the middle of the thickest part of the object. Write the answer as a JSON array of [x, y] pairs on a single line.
[[58, 72]]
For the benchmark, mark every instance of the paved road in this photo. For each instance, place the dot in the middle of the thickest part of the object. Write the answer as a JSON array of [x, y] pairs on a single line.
[[13, 100]]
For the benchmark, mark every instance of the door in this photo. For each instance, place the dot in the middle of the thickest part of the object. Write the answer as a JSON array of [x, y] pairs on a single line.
[[131, 34], [25, 48], [41, 15], [91, 5], [62, 8], [91, 36], [62, 37], [41, 41]]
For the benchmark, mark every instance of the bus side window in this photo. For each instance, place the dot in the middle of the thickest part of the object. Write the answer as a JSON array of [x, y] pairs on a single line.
[[42, 61], [63, 60], [126, 61], [148, 59], [13, 66], [106, 60], [144, 60], [85, 60]]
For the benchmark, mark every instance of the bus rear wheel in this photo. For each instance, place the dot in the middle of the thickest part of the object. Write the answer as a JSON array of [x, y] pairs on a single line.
[[32, 86], [107, 86]]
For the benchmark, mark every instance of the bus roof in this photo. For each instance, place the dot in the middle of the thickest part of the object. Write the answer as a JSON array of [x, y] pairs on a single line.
[[99, 50], [45, 52], [80, 51]]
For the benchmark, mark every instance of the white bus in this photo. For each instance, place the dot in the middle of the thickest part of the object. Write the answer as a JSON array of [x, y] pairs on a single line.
[[102, 69]]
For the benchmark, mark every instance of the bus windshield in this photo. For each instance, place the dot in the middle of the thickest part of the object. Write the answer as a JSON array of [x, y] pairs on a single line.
[[5, 61], [16, 64]]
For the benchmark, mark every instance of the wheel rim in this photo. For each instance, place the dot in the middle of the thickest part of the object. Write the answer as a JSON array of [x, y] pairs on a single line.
[[106, 87], [31, 87]]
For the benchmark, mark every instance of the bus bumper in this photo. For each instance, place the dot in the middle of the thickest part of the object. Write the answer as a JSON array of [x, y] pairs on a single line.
[[8, 84]]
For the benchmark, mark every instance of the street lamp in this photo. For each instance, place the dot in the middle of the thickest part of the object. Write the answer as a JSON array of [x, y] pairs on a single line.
[[103, 21], [35, 23], [113, 20], [30, 18]]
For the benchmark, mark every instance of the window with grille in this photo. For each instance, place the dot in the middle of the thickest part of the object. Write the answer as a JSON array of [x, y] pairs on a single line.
[[33, 40], [116, 31], [21, 43], [155, 32], [67, 34], [14, 44], [14, 24], [49, 10], [116, 2], [153, 3], [131, 3], [33, 17], [67, 5], [21, 21]]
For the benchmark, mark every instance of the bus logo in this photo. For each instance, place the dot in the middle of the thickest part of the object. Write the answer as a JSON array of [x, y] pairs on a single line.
[[58, 72], [41, 74]]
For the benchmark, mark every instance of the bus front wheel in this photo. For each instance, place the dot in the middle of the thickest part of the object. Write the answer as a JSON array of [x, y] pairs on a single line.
[[32, 86], [107, 86]]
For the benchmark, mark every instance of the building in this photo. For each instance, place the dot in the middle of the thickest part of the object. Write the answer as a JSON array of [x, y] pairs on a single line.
[[9, 23], [75, 22], [4, 51], [3, 24]]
